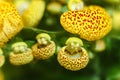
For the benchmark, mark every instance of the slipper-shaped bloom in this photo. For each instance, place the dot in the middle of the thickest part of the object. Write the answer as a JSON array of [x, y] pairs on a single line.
[[45, 48], [21, 54], [73, 56], [91, 23]]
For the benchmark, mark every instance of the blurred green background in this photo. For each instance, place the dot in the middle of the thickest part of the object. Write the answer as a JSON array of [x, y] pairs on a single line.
[[103, 65]]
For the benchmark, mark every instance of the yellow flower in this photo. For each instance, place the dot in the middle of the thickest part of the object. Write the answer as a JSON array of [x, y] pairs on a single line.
[[73, 56], [10, 22], [21, 54], [91, 23], [45, 48]]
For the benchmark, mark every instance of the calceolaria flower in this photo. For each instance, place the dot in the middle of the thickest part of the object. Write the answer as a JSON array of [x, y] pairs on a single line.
[[45, 47], [10, 22], [91, 23], [21, 54], [73, 56], [31, 11], [75, 4], [2, 58]]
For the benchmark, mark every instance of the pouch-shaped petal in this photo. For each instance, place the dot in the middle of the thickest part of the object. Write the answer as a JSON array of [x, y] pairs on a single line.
[[91, 23]]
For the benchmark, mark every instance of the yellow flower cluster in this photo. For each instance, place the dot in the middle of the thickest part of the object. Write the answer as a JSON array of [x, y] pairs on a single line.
[[72, 56]]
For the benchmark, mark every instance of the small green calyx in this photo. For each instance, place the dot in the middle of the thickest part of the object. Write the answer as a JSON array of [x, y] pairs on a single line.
[[43, 39], [74, 45], [19, 47]]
